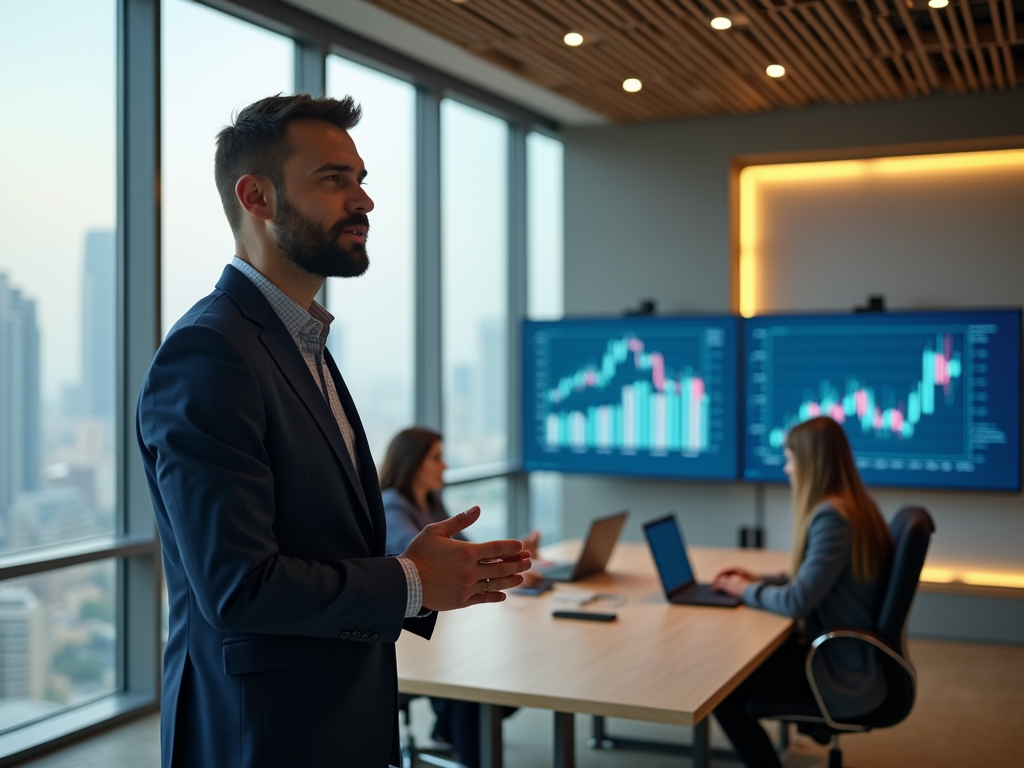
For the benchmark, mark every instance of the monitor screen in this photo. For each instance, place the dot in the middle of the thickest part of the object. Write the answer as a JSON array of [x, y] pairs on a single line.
[[926, 399], [669, 553], [648, 396]]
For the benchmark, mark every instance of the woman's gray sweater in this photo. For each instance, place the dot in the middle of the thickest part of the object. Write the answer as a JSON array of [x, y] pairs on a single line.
[[824, 596]]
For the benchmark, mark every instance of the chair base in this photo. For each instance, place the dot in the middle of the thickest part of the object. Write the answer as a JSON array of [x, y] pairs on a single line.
[[411, 753], [440, 762], [821, 734]]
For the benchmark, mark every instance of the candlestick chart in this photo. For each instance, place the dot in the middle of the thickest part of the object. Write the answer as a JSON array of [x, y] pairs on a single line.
[[925, 399], [645, 396]]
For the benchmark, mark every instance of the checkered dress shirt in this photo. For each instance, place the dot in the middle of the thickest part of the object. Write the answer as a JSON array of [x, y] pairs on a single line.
[[309, 331]]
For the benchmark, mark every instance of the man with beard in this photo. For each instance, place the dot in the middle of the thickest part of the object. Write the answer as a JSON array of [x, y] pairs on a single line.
[[284, 610]]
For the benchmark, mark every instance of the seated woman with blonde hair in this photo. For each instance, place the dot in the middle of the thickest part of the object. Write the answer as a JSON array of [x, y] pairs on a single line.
[[841, 557]]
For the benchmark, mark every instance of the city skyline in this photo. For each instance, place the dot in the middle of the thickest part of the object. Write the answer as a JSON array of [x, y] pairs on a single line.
[[20, 449], [57, 485]]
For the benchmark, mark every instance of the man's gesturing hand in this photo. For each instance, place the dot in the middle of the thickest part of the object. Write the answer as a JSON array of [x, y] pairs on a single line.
[[456, 574]]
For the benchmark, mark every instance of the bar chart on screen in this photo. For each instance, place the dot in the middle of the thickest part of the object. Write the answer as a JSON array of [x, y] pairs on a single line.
[[926, 399], [648, 396]]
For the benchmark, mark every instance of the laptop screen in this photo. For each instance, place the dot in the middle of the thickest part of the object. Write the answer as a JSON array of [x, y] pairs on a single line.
[[666, 544]]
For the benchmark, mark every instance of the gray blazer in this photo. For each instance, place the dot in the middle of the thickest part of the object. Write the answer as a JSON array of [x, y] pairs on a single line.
[[824, 596], [405, 519]]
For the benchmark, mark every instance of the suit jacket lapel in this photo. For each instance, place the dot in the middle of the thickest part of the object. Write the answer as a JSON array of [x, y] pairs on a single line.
[[367, 469], [286, 356]]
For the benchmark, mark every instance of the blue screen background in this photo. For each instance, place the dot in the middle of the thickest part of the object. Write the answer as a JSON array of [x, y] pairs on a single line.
[[874, 372], [647, 396]]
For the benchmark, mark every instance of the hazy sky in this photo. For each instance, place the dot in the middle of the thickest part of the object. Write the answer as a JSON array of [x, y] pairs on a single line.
[[57, 159], [204, 83], [57, 61], [375, 311]]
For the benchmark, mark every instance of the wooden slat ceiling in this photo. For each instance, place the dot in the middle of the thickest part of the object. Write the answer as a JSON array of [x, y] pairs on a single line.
[[834, 51]]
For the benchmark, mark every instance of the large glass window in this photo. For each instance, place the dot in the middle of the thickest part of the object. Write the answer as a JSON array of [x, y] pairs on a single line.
[[545, 214], [372, 336], [545, 294], [492, 498], [213, 65], [65, 640], [58, 272], [58, 641], [474, 255]]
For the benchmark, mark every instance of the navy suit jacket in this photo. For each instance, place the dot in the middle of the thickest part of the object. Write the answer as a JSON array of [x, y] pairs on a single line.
[[283, 609]]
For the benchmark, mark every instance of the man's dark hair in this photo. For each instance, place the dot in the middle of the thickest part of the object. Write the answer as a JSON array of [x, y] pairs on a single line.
[[255, 143]]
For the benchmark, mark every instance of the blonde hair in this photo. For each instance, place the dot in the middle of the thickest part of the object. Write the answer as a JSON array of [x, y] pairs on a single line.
[[824, 471]]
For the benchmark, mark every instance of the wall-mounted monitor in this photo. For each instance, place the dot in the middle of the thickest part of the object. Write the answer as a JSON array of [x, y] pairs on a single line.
[[926, 399], [646, 396]]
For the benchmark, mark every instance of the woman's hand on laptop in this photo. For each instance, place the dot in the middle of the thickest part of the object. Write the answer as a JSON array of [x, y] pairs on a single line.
[[733, 581], [736, 571]]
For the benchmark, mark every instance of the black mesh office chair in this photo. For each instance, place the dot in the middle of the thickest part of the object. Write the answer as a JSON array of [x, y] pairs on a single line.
[[911, 529]]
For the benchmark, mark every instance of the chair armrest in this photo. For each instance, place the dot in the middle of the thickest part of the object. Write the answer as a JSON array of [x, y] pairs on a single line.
[[854, 634]]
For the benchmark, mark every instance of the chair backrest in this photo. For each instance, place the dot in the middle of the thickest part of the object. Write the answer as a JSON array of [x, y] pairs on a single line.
[[911, 529]]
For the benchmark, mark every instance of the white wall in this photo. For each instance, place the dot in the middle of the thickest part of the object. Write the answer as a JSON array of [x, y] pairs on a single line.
[[647, 216]]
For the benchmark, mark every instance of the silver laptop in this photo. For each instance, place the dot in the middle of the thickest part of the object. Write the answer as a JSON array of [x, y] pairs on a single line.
[[601, 538], [681, 588]]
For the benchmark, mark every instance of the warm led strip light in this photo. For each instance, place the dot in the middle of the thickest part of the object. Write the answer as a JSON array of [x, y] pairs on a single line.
[[753, 175], [973, 578]]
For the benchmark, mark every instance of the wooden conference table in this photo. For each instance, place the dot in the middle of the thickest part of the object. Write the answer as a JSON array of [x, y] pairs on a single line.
[[657, 662]]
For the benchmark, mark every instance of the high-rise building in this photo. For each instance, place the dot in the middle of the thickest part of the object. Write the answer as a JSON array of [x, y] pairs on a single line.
[[50, 516], [22, 644], [99, 325], [494, 378], [20, 432]]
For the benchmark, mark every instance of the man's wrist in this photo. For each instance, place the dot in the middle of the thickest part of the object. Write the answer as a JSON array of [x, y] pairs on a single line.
[[414, 589]]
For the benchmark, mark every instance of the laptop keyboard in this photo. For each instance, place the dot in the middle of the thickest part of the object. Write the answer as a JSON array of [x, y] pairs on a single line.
[[559, 572]]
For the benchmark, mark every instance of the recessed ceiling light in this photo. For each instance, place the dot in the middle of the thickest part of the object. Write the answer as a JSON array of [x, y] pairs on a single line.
[[631, 85], [775, 70], [720, 22], [938, 3], [573, 39]]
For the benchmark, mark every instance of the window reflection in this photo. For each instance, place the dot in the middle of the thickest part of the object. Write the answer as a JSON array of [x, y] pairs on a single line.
[[58, 641], [492, 498], [545, 297], [204, 82], [57, 273], [372, 336], [474, 253], [545, 228]]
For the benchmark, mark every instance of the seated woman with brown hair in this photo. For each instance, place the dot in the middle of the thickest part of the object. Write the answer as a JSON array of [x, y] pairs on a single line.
[[842, 551], [412, 478]]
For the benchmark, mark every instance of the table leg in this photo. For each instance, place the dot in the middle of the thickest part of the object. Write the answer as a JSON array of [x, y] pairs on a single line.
[[702, 744], [565, 740], [490, 736], [598, 735]]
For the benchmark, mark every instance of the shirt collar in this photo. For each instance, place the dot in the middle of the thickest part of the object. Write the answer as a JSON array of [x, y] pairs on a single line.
[[312, 326]]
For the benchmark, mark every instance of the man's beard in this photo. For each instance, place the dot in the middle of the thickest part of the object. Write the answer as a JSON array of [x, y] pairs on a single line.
[[317, 249]]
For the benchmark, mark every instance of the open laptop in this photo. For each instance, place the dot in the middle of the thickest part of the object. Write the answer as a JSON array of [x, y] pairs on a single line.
[[666, 543], [601, 538]]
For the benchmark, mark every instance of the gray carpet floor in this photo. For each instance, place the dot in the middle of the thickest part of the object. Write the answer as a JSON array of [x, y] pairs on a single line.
[[970, 712]]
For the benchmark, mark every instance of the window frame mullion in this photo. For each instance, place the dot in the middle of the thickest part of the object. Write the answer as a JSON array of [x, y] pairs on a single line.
[[139, 583]]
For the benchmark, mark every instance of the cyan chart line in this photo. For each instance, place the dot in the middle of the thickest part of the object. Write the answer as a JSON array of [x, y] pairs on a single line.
[[939, 366], [664, 414]]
